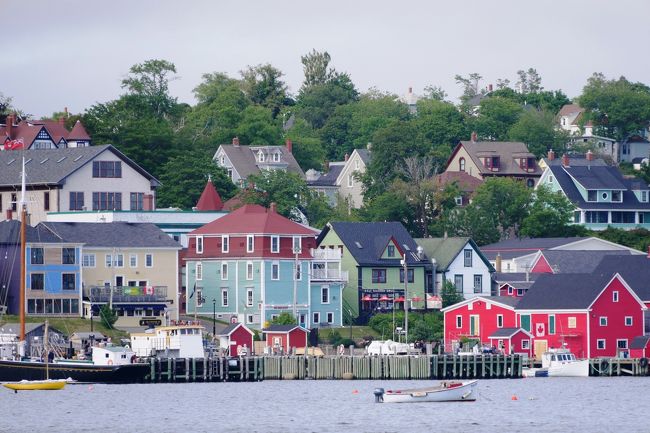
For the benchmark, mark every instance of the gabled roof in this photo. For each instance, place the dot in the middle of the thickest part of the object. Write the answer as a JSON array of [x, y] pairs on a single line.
[[244, 158], [210, 199], [505, 301], [445, 250], [232, 328], [517, 247], [465, 182], [283, 329], [640, 342], [507, 151], [635, 269], [10, 234], [564, 291], [578, 261], [113, 234], [508, 332], [28, 131], [254, 219], [570, 109], [365, 155], [53, 166], [366, 242], [329, 178]]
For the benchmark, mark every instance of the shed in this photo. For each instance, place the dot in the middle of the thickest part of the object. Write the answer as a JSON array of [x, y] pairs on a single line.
[[639, 347], [237, 339], [34, 333], [512, 340], [281, 338]]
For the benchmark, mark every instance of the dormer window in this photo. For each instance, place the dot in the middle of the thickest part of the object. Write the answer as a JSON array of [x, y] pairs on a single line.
[[617, 196], [644, 196], [260, 156], [491, 163], [592, 195], [527, 164], [276, 157]]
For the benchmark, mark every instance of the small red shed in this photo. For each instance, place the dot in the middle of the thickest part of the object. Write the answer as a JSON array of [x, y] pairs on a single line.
[[281, 338], [639, 348], [237, 339], [512, 340]]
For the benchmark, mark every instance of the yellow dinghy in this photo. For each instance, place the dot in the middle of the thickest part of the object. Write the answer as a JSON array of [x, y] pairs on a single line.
[[36, 385]]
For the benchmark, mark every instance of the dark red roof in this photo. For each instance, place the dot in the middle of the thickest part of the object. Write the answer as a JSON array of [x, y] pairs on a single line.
[[233, 203], [210, 199], [253, 219], [465, 182], [78, 132]]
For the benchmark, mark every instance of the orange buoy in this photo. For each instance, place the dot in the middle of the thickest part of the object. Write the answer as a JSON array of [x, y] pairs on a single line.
[[514, 397], [355, 391]]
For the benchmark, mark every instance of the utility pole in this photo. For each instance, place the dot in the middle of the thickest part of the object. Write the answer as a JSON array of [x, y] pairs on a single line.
[[406, 299], [295, 283]]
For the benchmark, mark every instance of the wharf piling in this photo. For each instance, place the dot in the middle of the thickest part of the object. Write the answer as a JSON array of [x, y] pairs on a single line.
[[256, 368]]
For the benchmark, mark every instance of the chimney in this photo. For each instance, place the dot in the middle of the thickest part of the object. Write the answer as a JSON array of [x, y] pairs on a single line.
[[474, 137], [235, 141], [62, 121], [10, 215], [147, 204], [551, 155], [410, 90], [272, 208], [590, 155], [369, 146], [498, 262], [565, 160], [65, 110], [347, 156], [289, 146], [489, 87], [9, 126]]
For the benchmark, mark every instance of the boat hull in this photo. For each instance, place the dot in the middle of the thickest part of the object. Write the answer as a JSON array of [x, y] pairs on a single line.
[[570, 369], [36, 385], [464, 391], [14, 371]]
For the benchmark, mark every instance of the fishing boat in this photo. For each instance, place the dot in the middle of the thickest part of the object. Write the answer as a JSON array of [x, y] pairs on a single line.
[[561, 363], [36, 385], [443, 392]]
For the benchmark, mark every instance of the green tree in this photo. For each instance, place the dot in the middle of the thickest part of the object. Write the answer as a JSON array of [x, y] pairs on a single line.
[[263, 86], [257, 127], [538, 130], [107, 316], [435, 93], [470, 85], [449, 294], [496, 116], [150, 80], [529, 81], [316, 68], [307, 146], [284, 318], [507, 199], [316, 103], [439, 123], [184, 177], [551, 214]]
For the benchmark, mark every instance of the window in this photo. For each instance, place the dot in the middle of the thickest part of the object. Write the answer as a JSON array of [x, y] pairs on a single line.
[[249, 270], [38, 281], [458, 283], [391, 251], [224, 270], [199, 271], [107, 201], [109, 261], [615, 296], [617, 196], [260, 156], [525, 344], [621, 344], [275, 244], [224, 297], [592, 195], [250, 243], [330, 318], [350, 181], [325, 295], [118, 260], [551, 324], [604, 195], [600, 344], [275, 271], [628, 321], [410, 273], [297, 244], [148, 260], [225, 243], [459, 322], [461, 164], [199, 244], [525, 322], [88, 261], [530, 183], [571, 322], [499, 320], [68, 281], [459, 200], [250, 319], [46, 200], [68, 256], [577, 216], [379, 275], [316, 318], [276, 157], [14, 202], [137, 200], [249, 297], [107, 169], [298, 271], [37, 256], [478, 283], [550, 179], [603, 321], [644, 196], [133, 260]]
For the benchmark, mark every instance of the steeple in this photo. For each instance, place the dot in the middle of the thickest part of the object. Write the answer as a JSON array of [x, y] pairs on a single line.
[[210, 199]]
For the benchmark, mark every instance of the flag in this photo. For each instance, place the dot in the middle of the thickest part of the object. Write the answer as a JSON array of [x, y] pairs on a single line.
[[193, 291]]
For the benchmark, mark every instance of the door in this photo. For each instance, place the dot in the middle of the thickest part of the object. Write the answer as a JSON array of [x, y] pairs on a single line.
[[474, 325], [541, 346], [119, 281]]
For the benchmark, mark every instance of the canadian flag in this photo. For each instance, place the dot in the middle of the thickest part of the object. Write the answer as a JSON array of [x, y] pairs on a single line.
[[540, 330], [148, 290], [14, 144]]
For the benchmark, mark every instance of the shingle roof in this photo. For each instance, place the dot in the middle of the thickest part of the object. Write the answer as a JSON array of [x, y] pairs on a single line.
[[640, 342], [52, 166], [506, 300], [78, 132], [505, 332], [282, 328], [210, 199], [564, 291], [243, 158], [635, 270], [464, 181], [507, 151], [578, 261], [10, 234], [365, 155], [329, 178], [511, 248], [230, 328], [596, 177], [570, 109], [367, 241], [445, 250], [113, 234]]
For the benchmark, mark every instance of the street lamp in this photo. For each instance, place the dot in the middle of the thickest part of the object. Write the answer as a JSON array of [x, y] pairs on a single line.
[[214, 317]]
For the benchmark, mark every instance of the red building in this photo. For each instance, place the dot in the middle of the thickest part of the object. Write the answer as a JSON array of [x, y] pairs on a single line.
[[478, 318], [640, 347], [237, 339], [282, 338], [512, 340]]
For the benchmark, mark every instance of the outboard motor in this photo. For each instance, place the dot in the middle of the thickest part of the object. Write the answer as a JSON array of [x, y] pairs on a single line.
[[379, 395]]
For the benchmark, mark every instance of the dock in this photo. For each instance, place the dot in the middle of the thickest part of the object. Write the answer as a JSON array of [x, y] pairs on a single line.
[[257, 368]]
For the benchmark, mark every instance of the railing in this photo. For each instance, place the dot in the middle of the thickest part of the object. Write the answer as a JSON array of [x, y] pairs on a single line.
[[326, 254], [125, 293], [329, 274]]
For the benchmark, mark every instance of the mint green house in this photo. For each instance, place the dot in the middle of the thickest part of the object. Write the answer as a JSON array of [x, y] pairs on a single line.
[[372, 255]]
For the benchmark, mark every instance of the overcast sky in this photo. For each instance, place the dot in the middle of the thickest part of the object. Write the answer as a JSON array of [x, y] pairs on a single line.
[[74, 53]]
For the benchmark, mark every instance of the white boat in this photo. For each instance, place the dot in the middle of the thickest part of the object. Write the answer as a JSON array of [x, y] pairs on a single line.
[[445, 391], [561, 363], [178, 340]]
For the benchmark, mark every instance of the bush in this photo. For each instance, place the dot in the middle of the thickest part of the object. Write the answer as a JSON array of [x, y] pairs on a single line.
[[422, 326], [108, 316]]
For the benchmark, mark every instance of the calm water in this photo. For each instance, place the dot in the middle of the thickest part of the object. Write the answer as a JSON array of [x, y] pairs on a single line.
[[542, 405]]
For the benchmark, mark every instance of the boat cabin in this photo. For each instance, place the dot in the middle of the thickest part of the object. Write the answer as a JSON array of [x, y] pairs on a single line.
[[557, 356], [112, 355], [183, 340]]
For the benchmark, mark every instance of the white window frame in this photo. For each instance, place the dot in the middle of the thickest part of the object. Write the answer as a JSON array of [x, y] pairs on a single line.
[[250, 243], [224, 267], [198, 271], [89, 259], [572, 322], [525, 344], [499, 320], [250, 271], [316, 317], [296, 244], [199, 245], [629, 321], [260, 156], [350, 180], [325, 294], [459, 322], [598, 344], [330, 317], [250, 318], [602, 321], [225, 243], [108, 260], [199, 297], [275, 239], [148, 260], [118, 260], [276, 157], [250, 297], [615, 296], [275, 265], [224, 297], [133, 260], [618, 347], [297, 271]]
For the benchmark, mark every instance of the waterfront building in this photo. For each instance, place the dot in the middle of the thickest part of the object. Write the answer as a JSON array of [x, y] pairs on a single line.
[[237, 340], [282, 338]]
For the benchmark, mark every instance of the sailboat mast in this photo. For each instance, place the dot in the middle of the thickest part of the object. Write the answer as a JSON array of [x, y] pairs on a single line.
[[23, 253]]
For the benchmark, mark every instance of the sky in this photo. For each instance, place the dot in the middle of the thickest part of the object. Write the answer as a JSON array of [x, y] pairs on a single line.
[[74, 53]]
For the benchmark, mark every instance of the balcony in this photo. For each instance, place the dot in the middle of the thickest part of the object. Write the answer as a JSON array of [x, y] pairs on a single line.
[[125, 294], [326, 254], [324, 274]]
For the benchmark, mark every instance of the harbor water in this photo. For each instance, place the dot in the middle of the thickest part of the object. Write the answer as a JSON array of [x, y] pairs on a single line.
[[508, 405]]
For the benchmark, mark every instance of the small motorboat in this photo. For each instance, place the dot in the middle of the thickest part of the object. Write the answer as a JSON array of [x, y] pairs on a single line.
[[36, 385], [561, 362], [445, 391]]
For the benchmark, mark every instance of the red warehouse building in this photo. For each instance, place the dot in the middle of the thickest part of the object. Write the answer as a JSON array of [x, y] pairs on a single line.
[[282, 338]]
